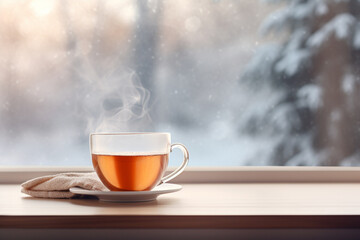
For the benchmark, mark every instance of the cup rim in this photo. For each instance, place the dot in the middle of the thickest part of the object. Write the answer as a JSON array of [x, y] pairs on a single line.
[[128, 133]]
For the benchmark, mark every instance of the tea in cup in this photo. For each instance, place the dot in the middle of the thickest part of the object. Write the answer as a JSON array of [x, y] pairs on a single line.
[[133, 161]]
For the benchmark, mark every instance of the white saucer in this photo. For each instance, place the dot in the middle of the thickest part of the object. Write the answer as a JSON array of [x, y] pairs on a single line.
[[129, 196]]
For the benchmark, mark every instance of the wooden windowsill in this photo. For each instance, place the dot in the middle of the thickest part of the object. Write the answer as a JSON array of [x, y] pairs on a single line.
[[230, 205]]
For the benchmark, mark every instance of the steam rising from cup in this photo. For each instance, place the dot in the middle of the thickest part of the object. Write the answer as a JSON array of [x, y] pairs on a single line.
[[118, 102]]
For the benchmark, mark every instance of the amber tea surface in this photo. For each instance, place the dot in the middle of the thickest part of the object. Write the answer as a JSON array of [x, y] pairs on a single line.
[[130, 172]]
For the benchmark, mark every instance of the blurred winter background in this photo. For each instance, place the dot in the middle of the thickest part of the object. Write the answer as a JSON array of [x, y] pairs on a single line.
[[246, 82]]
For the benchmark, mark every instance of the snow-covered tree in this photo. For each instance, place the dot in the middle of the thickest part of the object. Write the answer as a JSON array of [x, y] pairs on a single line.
[[314, 67]]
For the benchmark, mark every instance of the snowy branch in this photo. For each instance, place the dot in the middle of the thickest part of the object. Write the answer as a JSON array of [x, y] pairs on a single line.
[[310, 96], [356, 40], [341, 25], [298, 11], [260, 66]]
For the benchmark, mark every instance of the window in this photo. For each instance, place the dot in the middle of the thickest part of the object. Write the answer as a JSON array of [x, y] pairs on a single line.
[[238, 82]]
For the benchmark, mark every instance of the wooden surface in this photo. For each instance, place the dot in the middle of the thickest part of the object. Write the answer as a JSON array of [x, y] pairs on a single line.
[[296, 205]]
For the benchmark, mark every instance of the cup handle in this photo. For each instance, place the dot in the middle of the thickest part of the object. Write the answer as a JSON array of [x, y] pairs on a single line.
[[183, 165]]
